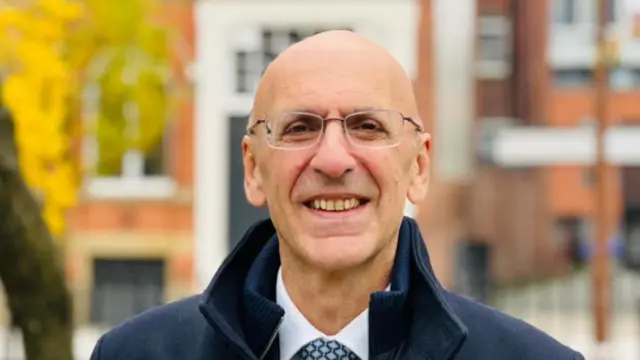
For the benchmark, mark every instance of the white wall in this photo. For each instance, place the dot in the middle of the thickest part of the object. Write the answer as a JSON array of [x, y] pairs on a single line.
[[454, 24]]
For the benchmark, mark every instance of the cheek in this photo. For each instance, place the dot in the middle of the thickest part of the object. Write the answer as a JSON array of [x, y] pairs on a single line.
[[386, 173], [391, 173], [280, 173]]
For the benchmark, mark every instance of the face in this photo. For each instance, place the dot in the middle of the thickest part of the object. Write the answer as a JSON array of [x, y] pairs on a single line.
[[335, 205]]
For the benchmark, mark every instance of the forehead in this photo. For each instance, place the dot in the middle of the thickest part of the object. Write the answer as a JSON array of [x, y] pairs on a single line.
[[327, 83]]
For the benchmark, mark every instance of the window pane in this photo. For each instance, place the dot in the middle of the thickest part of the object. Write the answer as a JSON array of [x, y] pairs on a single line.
[[250, 66], [241, 72], [110, 148], [155, 160], [564, 11], [611, 11], [124, 288], [110, 168], [571, 78], [493, 48], [624, 78]]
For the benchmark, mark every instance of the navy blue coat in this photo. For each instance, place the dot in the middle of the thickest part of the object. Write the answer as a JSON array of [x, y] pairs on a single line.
[[237, 317]]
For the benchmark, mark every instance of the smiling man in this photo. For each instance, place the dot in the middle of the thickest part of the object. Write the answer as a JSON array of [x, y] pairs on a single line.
[[334, 147]]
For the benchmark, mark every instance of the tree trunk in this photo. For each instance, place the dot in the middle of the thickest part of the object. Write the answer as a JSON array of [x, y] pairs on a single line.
[[30, 267]]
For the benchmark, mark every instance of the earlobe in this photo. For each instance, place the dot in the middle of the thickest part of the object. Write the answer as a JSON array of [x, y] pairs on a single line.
[[252, 177]]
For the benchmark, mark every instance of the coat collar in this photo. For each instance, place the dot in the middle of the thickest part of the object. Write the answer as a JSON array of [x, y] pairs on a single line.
[[242, 293]]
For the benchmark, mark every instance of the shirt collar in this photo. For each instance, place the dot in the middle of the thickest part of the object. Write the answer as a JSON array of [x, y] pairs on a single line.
[[296, 331]]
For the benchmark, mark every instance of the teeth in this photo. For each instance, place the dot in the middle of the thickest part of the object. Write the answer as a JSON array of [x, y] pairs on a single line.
[[335, 204]]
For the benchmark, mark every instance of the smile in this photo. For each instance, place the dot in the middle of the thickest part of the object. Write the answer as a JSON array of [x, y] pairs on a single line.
[[336, 205]]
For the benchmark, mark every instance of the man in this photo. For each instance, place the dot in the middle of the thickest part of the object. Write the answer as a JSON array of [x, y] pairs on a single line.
[[334, 147]]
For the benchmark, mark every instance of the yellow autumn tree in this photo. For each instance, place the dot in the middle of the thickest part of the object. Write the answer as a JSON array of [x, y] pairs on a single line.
[[37, 85], [52, 52]]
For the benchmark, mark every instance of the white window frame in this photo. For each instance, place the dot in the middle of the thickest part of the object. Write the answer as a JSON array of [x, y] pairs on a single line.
[[132, 183], [497, 26], [249, 40]]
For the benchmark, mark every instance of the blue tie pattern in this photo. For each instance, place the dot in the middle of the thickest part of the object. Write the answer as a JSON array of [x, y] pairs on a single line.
[[322, 349]]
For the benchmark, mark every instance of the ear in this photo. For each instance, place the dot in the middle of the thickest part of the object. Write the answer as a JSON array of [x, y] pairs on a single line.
[[420, 171], [252, 177]]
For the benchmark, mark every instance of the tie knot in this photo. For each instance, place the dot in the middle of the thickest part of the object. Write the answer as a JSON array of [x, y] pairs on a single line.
[[323, 349]]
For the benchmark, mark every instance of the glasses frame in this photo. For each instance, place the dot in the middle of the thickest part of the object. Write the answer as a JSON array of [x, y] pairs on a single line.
[[251, 129]]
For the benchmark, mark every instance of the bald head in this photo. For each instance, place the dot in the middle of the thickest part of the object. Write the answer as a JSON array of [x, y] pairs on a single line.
[[329, 66]]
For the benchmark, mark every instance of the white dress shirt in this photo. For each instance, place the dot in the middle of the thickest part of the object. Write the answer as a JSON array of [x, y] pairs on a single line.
[[296, 331]]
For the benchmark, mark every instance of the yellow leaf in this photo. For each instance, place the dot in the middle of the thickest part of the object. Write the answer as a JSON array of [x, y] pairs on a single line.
[[60, 187], [54, 218]]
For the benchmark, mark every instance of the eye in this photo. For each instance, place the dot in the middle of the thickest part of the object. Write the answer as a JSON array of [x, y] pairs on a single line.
[[365, 123], [368, 125], [298, 127]]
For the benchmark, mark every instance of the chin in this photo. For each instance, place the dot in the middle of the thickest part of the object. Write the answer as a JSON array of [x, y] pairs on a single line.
[[334, 254]]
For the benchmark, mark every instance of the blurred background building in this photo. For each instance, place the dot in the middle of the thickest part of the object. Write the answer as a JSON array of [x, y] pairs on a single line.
[[156, 228]]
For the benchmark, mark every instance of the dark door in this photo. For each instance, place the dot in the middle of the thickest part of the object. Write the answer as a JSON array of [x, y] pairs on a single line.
[[631, 221], [241, 214], [631, 236], [124, 288], [631, 185]]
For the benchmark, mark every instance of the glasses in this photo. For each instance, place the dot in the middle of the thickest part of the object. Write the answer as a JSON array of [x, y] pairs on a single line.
[[372, 129]]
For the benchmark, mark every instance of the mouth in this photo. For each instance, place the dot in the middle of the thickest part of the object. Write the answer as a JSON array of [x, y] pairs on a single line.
[[338, 205]]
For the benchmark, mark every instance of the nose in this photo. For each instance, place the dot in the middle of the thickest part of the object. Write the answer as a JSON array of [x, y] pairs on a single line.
[[332, 157]]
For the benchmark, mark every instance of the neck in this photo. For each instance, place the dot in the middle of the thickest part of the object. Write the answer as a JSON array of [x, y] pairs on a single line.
[[330, 300]]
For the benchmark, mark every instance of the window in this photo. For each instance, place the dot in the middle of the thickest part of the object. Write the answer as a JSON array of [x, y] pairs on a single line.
[[125, 288], [589, 176], [612, 11], [573, 235], [624, 78], [612, 7], [128, 170], [249, 65], [248, 71], [572, 78], [564, 11], [494, 48], [132, 163]]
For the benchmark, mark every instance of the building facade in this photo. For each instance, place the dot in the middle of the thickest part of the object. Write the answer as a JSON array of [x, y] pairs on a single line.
[[534, 73], [130, 243]]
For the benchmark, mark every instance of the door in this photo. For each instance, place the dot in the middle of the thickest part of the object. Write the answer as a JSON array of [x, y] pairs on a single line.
[[632, 238], [631, 217], [241, 214]]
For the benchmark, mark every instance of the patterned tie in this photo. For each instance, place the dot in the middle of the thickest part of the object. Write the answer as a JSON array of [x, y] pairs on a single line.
[[322, 349]]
